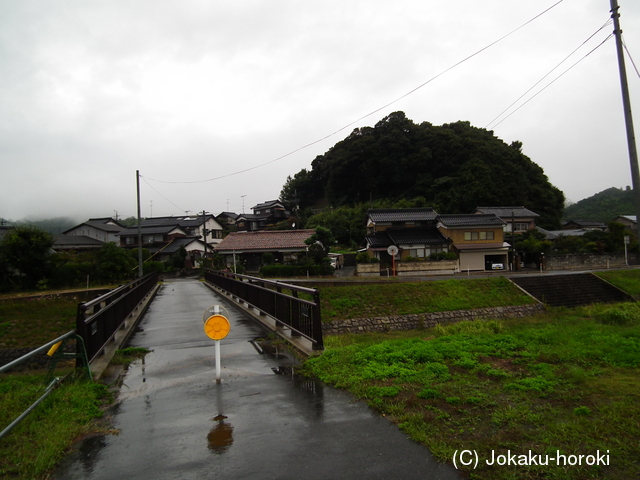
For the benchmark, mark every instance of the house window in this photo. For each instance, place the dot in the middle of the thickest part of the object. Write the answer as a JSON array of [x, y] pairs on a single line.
[[469, 236], [129, 241], [147, 239], [521, 227]]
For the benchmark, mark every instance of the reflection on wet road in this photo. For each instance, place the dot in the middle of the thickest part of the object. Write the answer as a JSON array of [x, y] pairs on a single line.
[[259, 422]]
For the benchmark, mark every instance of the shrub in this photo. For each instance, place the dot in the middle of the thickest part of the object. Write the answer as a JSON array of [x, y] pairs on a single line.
[[363, 257]]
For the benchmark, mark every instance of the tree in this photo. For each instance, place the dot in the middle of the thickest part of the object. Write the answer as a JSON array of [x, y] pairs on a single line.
[[115, 264], [24, 256], [319, 244], [454, 167]]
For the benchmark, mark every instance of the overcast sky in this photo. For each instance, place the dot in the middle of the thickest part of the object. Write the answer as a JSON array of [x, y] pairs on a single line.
[[186, 91]]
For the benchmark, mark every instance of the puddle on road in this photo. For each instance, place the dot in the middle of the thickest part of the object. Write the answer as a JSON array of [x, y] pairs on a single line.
[[220, 438]]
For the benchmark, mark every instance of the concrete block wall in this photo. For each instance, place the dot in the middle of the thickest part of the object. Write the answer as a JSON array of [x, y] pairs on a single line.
[[428, 320]]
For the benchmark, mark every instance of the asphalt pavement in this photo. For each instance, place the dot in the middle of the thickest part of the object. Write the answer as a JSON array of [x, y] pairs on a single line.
[[174, 421]]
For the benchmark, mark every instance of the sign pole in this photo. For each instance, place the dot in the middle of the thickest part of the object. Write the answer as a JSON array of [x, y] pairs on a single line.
[[218, 374], [216, 327]]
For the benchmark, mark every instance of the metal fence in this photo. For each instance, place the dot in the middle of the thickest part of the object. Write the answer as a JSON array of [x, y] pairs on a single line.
[[301, 315], [98, 321]]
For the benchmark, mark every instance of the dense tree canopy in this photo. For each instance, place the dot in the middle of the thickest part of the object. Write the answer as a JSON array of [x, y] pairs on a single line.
[[25, 252], [455, 167], [603, 207]]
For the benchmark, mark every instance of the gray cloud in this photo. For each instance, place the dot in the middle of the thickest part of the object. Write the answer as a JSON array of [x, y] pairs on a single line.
[[184, 91]]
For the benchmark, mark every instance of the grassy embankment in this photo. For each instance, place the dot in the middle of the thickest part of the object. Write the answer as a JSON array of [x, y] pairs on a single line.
[[565, 381]]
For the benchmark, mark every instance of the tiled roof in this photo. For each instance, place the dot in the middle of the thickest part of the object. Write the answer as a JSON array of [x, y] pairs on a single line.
[[407, 236], [585, 223], [150, 230], [507, 212], [416, 236], [175, 245], [471, 220], [481, 246], [99, 224], [402, 215], [68, 241], [265, 240], [267, 204]]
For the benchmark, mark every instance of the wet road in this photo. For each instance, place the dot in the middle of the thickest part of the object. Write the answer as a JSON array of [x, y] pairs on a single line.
[[176, 422]]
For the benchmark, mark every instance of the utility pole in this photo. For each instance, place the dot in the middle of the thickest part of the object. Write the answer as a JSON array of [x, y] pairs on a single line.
[[626, 102], [140, 271], [204, 234]]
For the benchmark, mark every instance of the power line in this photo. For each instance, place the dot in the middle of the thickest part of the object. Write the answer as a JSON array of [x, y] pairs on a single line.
[[631, 59], [608, 22], [370, 113], [145, 181], [554, 80]]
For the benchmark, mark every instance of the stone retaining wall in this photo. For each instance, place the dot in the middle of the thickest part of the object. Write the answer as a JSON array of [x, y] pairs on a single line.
[[428, 320]]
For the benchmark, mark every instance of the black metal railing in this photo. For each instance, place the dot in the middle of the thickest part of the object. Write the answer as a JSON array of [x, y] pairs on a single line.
[[299, 310], [98, 321]]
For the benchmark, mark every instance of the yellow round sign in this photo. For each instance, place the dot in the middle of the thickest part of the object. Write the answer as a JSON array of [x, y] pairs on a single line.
[[217, 327]]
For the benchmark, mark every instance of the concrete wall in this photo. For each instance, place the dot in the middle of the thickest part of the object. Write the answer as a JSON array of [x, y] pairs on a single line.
[[428, 320], [441, 267], [576, 261]]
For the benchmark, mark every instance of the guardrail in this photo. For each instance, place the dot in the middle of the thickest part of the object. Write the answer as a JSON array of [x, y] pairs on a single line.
[[53, 383], [98, 321], [300, 315]]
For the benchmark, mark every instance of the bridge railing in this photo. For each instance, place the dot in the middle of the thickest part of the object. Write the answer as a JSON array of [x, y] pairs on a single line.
[[298, 310], [98, 321]]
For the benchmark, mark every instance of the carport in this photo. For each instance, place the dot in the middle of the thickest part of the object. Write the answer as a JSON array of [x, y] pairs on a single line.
[[482, 256]]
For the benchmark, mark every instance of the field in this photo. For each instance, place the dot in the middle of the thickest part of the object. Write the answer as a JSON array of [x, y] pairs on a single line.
[[562, 383]]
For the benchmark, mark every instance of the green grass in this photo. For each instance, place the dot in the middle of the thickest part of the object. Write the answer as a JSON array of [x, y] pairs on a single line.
[[627, 280], [38, 443], [566, 380], [36, 321], [339, 303], [127, 355]]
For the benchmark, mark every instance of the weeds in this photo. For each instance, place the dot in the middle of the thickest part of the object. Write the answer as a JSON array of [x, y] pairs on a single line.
[[410, 298], [566, 380], [64, 416]]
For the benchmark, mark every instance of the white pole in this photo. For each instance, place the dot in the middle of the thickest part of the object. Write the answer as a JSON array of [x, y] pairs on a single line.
[[626, 261], [217, 361], [216, 311]]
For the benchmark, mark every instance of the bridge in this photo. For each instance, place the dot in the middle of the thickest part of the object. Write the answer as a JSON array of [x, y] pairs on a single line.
[[175, 421]]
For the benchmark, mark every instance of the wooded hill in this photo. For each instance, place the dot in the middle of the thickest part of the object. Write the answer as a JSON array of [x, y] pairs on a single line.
[[454, 167], [602, 207]]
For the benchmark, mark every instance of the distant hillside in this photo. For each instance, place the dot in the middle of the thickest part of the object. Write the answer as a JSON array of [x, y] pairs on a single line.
[[603, 206], [55, 226]]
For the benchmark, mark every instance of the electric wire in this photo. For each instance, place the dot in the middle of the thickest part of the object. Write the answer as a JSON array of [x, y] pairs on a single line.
[[368, 114], [151, 186], [453, 154], [608, 22], [630, 58], [555, 79]]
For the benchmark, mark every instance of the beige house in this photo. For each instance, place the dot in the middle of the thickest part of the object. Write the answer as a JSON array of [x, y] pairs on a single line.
[[477, 239]]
